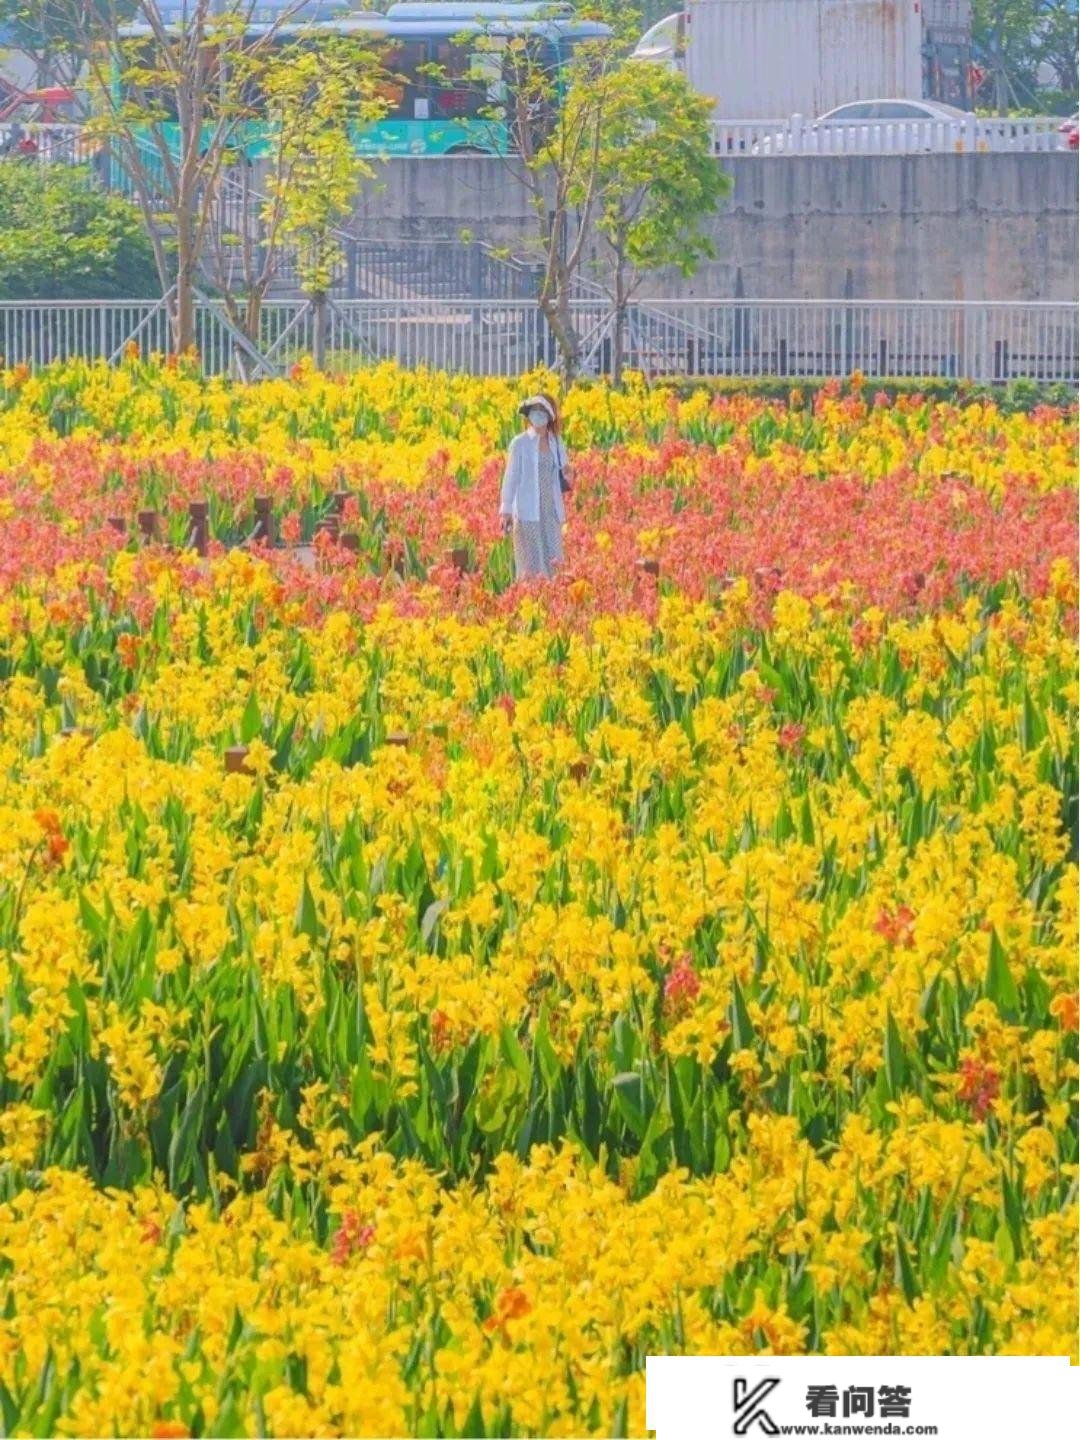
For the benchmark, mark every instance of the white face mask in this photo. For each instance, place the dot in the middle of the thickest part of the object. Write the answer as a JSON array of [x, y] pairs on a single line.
[[539, 418]]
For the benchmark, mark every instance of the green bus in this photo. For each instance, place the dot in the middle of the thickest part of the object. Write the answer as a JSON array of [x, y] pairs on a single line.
[[449, 62]]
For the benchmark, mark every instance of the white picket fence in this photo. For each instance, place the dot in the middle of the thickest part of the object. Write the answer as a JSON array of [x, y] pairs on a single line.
[[798, 135], [986, 343]]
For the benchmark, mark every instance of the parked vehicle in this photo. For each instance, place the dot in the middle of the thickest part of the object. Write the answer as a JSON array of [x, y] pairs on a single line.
[[1070, 132], [909, 125], [760, 58]]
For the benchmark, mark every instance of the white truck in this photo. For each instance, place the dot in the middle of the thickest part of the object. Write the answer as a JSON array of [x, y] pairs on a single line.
[[763, 59]]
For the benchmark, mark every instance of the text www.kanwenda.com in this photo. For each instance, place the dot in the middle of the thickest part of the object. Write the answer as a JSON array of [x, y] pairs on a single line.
[[827, 1428]]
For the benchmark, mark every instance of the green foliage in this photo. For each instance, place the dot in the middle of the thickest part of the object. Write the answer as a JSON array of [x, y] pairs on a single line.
[[313, 100], [654, 175], [1020, 37], [62, 238], [1018, 397]]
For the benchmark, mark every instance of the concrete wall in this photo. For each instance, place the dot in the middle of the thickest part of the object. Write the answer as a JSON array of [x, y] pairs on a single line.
[[966, 227]]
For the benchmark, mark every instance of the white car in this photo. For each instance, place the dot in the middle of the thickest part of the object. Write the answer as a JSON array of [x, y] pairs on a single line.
[[872, 125]]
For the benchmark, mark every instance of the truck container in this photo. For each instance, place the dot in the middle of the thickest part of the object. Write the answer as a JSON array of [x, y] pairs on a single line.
[[768, 59]]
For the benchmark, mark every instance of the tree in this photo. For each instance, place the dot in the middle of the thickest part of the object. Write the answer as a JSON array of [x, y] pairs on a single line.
[[306, 181], [654, 179], [171, 103], [48, 34], [552, 147], [553, 151], [1014, 38], [315, 171], [568, 121], [62, 238], [1057, 45]]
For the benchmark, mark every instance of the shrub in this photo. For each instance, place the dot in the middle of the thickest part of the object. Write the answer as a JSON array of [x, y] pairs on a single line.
[[61, 238]]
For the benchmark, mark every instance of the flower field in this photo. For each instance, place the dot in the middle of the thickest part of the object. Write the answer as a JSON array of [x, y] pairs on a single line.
[[424, 995]]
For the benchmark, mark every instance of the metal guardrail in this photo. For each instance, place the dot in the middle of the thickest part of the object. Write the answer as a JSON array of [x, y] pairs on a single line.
[[797, 135], [986, 343]]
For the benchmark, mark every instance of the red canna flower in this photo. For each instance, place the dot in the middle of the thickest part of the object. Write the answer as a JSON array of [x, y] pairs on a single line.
[[1066, 1010], [791, 736], [128, 649], [979, 1086], [682, 986], [352, 1235], [897, 929]]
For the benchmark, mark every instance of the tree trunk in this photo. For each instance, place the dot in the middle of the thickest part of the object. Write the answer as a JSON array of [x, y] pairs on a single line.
[[1001, 82], [253, 316], [621, 301], [318, 339], [557, 313], [186, 222], [183, 318]]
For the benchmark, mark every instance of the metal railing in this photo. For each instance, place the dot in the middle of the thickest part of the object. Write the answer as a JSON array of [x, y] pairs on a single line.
[[884, 339], [797, 135], [791, 135], [46, 143], [989, 343]]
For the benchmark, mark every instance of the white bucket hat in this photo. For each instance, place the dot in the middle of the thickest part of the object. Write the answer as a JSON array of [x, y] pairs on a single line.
[[536, 400]]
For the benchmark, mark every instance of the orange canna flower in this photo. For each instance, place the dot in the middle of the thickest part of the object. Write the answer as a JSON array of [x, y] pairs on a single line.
[[510, 1304], [1066, 1010]]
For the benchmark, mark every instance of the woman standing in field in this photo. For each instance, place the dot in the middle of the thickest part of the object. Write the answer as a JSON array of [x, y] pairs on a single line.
[[537, 476]]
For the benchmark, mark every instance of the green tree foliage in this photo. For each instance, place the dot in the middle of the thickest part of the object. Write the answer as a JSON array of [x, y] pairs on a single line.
[[62, 238], [314, 101], [606, 147], [654, 178], [1013, 39]]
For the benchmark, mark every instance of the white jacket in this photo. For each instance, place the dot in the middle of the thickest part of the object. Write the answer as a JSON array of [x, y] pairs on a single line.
[[521, 483]]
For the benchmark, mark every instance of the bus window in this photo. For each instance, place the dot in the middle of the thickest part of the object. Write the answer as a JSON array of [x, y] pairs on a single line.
[[462, 85], [406, 84]]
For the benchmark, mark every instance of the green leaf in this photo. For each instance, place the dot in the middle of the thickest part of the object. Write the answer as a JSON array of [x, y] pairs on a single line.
[[515, 1056], [895, 1065], [473, 1424], [431, 919], [251, 722], [186, 1137], [742, 1031], [93, 922], [1012, 1200], [806, 822], [999, 986], [9, 1411], [906, 1274], [307, 918], [630, 1098]]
